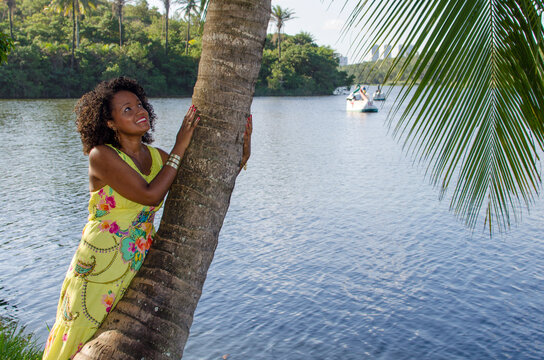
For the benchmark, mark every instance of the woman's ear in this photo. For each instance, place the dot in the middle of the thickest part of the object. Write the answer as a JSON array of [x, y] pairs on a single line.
[[111, 125]]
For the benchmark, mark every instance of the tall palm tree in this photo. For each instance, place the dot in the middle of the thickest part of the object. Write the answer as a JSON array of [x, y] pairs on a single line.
[[11, 7], [167, 4], [476, 118], [83, 7], [201, 14], [73, 8], [153, 319], [68, 8], [189, 7], [280, 16], [117, 9]]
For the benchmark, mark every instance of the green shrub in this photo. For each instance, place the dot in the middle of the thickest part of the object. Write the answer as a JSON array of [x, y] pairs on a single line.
[[15, 344]]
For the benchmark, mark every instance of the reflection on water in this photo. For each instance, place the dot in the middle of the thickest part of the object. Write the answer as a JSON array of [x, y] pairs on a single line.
[[334, 246]]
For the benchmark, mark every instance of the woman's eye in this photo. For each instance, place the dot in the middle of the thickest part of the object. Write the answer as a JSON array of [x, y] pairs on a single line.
[[127, 109]]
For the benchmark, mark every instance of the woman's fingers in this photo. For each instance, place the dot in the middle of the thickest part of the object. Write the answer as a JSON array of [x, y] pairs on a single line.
[[190, 117], [189, 112], [195, 123], [249, 125]]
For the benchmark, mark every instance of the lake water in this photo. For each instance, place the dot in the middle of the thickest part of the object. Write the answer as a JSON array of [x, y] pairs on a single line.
[[334, 247]]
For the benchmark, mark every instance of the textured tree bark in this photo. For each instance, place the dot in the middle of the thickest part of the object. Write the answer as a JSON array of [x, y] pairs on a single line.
[[153, 319]]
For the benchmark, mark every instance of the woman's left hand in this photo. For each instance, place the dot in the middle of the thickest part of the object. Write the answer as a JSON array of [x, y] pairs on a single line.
[[247, 141]]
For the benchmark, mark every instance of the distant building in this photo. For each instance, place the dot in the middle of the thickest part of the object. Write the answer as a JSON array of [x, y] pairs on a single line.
[[342, 60], [386, 52], [375, 53], [407, 49]]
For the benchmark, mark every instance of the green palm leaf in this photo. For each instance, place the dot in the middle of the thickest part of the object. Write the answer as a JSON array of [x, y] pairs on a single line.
[[476, 118], [65, 6]]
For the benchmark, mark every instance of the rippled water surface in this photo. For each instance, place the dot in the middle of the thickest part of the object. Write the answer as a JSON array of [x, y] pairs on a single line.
[[334, 247]]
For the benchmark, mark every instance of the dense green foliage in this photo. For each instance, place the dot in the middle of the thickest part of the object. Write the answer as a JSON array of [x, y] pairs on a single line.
[[6, 44], [40, 63], [374, 72], [304, 69], [41, 66], [15, 344]]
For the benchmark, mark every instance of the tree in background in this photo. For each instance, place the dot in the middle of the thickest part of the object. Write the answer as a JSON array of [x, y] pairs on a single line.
[[11, 7], [153, 319], [166, 4], [305, 69], [476, 117], [117, 9], [73, 8], [82, 8], [280, 16], [201, 15], [6, 44], [41, 63], [189, 7]]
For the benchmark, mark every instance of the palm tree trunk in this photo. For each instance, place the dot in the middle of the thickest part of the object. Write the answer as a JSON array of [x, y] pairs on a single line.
[[10, 10], [154, 317], [76, 5], [279, 43], [188, 33], [73, 33], [166, 42], [120, 16]]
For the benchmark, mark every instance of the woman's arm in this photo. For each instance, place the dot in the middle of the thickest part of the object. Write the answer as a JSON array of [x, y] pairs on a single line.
[[247, 143], [107, 167]]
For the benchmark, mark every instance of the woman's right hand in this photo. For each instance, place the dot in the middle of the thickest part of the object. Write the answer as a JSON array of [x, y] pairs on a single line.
[[186, 130]]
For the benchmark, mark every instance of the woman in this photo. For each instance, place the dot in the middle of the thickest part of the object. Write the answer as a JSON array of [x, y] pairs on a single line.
[[128, 180]]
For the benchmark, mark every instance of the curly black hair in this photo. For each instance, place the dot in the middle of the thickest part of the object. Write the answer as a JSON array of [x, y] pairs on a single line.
[[93, 112]]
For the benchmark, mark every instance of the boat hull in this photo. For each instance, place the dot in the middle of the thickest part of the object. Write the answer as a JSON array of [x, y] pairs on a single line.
[[360, 106]]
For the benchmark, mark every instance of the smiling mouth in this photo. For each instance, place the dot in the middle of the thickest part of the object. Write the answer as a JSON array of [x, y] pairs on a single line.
[[141, 120]]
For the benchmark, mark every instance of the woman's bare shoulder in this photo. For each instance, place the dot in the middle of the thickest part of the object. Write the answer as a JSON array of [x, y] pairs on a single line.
[[101, 153]]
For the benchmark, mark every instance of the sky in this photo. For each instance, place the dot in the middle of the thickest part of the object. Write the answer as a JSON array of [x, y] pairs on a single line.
[[320, 18]]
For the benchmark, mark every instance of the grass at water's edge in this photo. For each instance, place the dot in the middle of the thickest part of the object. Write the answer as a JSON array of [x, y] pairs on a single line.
[[15, 344]]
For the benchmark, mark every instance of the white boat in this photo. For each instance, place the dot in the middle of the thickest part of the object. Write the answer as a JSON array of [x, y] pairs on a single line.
[[378, 95], [360, 105], [342, 90]]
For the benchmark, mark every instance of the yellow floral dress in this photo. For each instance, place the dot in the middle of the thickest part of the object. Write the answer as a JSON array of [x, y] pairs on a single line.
[[113, 247]]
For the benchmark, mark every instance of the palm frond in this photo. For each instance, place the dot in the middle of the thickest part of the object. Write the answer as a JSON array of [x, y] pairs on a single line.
[[472, 107]]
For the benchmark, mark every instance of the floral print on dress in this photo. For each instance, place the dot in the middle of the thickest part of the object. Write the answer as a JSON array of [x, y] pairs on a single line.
[[108, 300], [134, 248], [135, 245], [108, 225], [66, 309], [145, 216], [83, 269], [50, 340], [114, 244], [106, 202]]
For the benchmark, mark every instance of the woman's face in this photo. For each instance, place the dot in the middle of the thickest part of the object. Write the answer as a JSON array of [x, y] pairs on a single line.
[[128, 113]]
